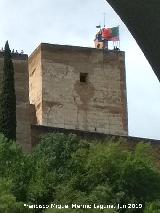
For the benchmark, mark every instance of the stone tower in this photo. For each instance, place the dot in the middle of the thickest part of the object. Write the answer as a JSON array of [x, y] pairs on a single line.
[[79, 88], [20, 62]]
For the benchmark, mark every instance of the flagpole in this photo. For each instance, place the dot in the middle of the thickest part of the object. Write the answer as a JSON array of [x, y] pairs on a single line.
[[104, 19], [119, 36], [105, 43]]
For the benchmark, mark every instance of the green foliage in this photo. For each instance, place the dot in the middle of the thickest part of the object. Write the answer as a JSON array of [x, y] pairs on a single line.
[[8, 203], [102, 173], [8, 98], [108, 174], [50, 160], [80, 210], [16, 166], [66, 170], [153, 207]]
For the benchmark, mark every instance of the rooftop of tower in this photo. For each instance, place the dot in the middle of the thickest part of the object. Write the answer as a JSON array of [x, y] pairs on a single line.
[[71, 48]]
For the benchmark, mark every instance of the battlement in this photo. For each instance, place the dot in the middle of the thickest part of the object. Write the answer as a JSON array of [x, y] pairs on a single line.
[[16, 56]]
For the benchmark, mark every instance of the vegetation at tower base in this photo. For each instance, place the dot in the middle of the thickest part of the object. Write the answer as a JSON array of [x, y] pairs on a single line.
[[66, 170], [142, 19], [8, 97]]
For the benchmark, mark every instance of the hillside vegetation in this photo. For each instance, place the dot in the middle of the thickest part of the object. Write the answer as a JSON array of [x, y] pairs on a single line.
[[66, 170]]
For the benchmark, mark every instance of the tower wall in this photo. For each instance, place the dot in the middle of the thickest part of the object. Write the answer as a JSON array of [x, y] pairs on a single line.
[[35, 83], [97, 105], [21, 77]]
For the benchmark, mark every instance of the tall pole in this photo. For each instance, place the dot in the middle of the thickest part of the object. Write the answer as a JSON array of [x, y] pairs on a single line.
[[105, 42], [104, 19]]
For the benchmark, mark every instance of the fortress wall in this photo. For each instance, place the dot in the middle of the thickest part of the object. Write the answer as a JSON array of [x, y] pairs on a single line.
[[99, 105], [22, 101], [35, 83], [128, 142]]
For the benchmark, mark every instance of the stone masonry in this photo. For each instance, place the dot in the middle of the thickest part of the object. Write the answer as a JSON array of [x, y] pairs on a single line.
[[79, 88], [20, 63], [69, 87]]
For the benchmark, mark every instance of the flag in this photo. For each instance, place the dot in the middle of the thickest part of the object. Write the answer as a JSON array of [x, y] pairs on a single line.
[[107, 33], [115, 34], [99, 36], [111, 34], [99, 40]]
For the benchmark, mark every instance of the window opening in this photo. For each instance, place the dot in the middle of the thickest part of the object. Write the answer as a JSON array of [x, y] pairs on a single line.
[[83, 77]]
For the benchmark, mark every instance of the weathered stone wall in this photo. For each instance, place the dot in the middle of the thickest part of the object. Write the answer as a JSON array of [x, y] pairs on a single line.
[[99, 105], [22, 98], [127, 142], [35, 83], [38, 132]]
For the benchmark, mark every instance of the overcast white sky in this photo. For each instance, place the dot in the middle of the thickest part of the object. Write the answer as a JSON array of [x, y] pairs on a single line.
[[28, 23]]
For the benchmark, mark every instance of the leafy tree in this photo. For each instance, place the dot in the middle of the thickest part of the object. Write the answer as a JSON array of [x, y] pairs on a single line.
[[16, 166], [153, 207], [8, 202], [51, 161], [8, 97], [66, 170], [106, 173]]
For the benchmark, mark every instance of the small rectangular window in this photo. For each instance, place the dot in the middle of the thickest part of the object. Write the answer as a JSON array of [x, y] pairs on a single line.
[[84, 77]]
